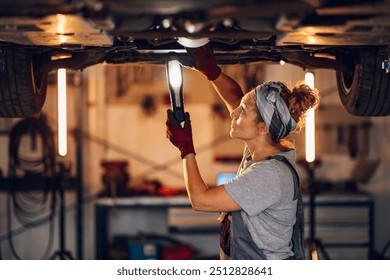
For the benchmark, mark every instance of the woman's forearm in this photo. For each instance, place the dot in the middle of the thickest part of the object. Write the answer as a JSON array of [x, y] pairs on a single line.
[[229, 91], [195, 186], [203, 197]]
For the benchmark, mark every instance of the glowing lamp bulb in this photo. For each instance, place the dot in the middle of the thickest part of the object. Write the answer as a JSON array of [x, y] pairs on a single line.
[[175, 73]]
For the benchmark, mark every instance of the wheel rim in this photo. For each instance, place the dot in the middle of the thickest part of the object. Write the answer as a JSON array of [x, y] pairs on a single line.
[[347, 79], [39, 78]]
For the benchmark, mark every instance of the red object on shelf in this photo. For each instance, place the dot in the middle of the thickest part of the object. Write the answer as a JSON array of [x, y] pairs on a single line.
[[115, 177], [169, 191]]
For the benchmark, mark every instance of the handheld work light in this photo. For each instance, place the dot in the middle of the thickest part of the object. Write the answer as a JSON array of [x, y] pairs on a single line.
[[175, 83]]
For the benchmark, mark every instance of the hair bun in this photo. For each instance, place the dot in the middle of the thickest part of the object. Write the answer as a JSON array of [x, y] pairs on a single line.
[[299, 100]]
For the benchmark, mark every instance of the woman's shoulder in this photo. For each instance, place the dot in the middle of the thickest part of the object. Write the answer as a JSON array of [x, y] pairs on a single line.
[[289, 155], [274, 166]]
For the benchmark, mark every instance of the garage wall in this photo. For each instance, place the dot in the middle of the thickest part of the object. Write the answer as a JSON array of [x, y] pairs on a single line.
[[379, 186]]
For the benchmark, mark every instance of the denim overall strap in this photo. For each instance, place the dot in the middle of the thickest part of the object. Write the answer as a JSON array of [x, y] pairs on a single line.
[[298, 229]]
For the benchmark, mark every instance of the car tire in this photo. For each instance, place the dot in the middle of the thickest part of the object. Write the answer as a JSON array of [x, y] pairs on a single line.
[[365, 90], [22, 86]]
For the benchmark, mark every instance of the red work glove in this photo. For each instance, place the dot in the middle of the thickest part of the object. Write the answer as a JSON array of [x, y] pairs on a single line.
[[181, 137], [205, 61]]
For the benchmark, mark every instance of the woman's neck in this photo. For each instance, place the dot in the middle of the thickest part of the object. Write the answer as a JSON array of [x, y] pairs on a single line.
[[261, 152]]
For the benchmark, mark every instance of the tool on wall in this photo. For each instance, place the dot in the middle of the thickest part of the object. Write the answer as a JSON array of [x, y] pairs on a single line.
[[353, 144], [175, 84], [32, 196]]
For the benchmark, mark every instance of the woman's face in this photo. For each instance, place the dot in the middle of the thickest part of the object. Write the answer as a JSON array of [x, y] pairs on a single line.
[[244, 124]]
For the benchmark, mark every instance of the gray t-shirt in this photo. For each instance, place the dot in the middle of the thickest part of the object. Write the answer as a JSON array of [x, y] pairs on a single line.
[[265, 191]]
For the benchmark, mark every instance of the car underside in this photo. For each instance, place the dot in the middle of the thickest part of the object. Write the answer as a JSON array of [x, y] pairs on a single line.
[[351, 37]]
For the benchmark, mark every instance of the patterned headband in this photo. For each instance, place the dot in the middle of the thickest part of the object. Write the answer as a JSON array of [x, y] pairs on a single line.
[[274, 110]]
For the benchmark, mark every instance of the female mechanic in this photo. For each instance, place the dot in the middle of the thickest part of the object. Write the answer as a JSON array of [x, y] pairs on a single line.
[[261, 208]]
